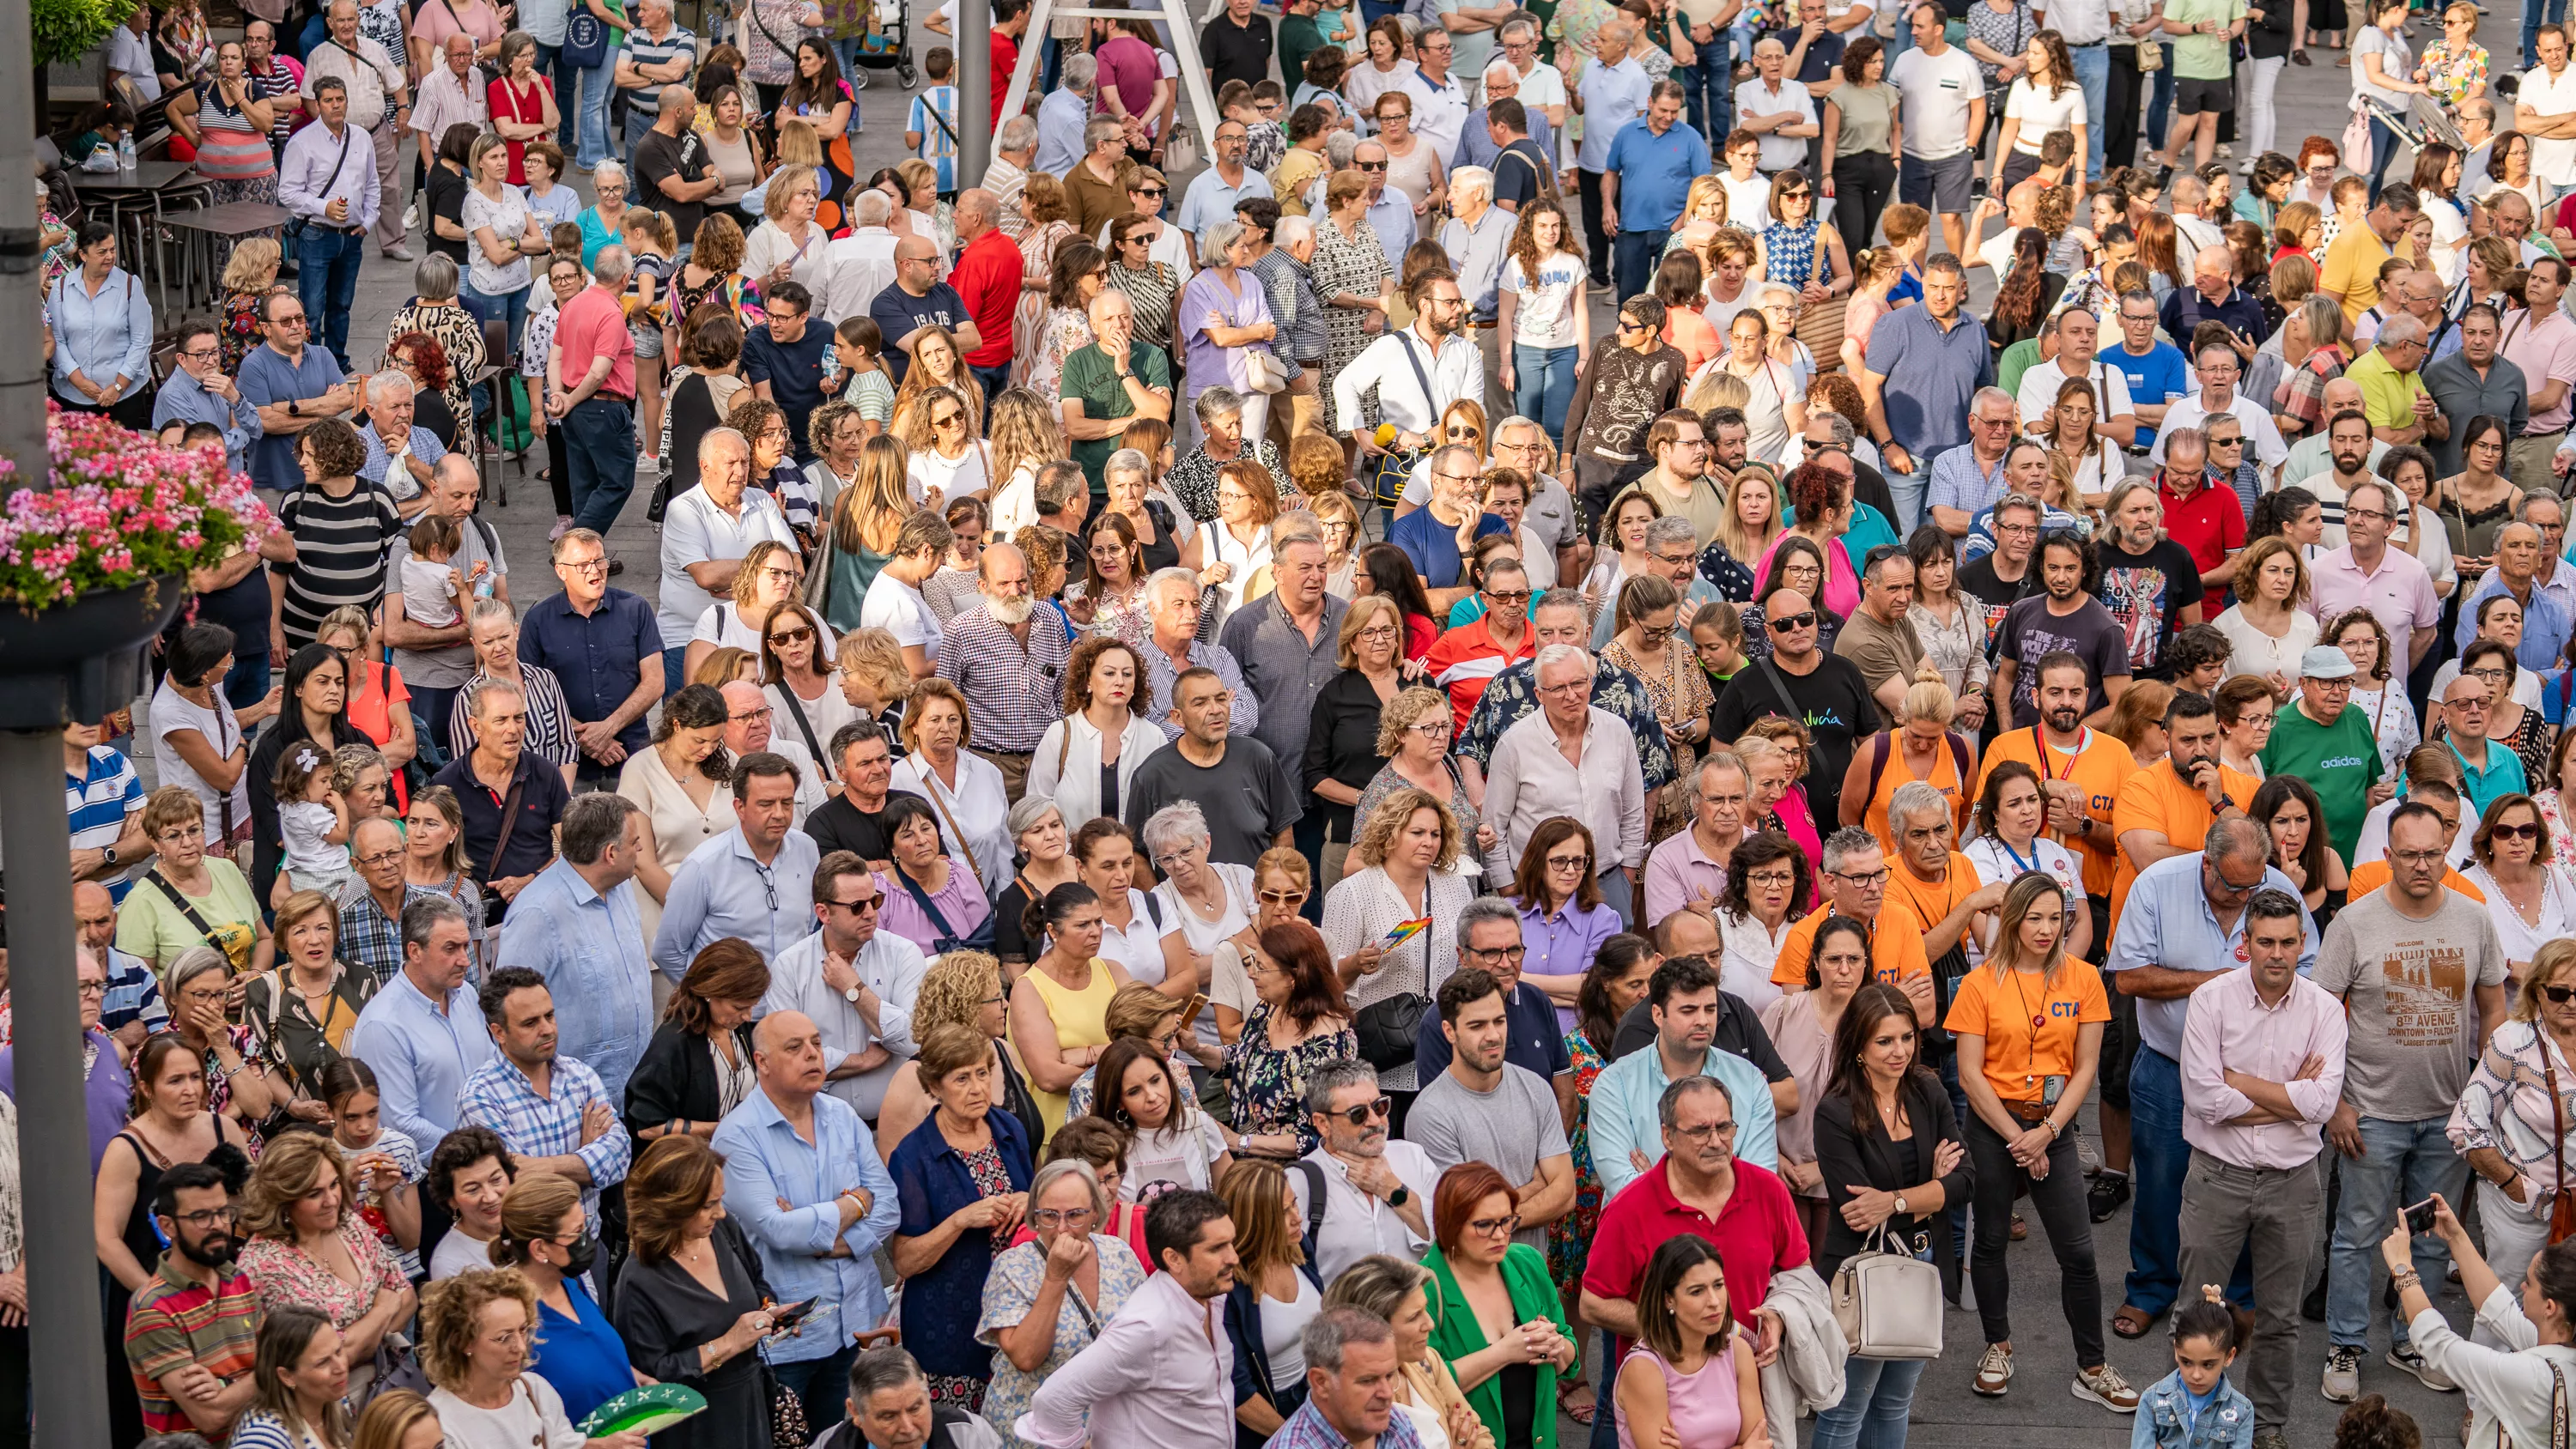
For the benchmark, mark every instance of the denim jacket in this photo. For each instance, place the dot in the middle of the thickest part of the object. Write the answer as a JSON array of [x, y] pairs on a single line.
[[2228, 1423]]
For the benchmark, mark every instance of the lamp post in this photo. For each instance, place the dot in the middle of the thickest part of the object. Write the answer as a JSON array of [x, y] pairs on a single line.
[[975, 90]]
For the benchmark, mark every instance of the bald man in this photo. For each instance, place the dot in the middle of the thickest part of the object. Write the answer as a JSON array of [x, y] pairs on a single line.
[[918, 301]]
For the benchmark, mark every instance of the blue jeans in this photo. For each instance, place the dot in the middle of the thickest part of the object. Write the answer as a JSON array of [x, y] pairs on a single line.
[[246, 683], [2400, 1162], [1633, 258], [2160, 102], [2093, 77], [1605, 1419], [1619, 895], [1709, 88], [590, 126], [2532, 20], [1546, 378], [1907, 491], [1878, 1395], [995, 380], [2158, 1159], [639, 121], [599, 446], [326, 282], [2383, 149], [673, 661]]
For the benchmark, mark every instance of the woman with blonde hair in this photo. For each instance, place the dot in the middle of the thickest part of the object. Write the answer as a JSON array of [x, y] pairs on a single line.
[[249, 274], [304, 1245], [1025, 436], [875, 680], [1404, 1294], [1745, 533], [2082, 466], [1462, 423], [1405, 858], [946, 458], [2269, 625], [1649, 642], [1336, 516], [399, 1419], [867, 522], [937, 362], [1277, 1289], [788, 244], [477, 1348], [1875, 270]]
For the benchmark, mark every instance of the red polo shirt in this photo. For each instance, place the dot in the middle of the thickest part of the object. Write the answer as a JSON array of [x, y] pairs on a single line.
[[593, 323], [2209, 525], [1465, 659], [987, 279], [1756, 1234], [1006, 58]]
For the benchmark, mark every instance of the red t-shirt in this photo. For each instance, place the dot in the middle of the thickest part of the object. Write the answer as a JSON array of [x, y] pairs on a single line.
[[592, 325], [1756, 1234], [2208, 525], [1006, 58], [987, 279]]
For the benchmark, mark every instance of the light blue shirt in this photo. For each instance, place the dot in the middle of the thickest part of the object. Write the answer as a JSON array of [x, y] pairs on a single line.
[[1626, 1102], [2168, 922], [590, 949], [1209, 201], [545, 19], [720, 891], [424, 446], [1477, 254], [1061, 118], [767, 1162], [185, 400], [422, 1055], [2502, 776], [2546, 620], [1392, 219], [104, 336], [1613, 96]]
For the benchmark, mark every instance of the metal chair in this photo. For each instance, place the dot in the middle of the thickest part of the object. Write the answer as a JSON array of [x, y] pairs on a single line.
[[499, 366]]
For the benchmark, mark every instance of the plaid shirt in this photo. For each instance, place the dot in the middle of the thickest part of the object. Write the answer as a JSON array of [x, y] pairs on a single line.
[[2304, 392], [499, 1096], [1017, 689], [1308, 1429], [368, 937]]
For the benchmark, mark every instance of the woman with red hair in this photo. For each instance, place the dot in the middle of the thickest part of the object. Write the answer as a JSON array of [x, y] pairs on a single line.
[[1501, 1327]]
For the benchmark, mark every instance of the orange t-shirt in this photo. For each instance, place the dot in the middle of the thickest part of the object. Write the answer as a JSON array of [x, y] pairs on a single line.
[[1944, 778], [2030, 1027], [1895, 947], [2157, 799], [2372, 875], [2101, 765], [371, 710]]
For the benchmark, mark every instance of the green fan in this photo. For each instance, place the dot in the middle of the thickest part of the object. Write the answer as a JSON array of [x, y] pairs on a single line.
[[648, 1410]]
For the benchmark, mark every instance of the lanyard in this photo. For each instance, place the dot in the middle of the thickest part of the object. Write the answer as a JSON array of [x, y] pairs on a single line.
[[2020, 866]]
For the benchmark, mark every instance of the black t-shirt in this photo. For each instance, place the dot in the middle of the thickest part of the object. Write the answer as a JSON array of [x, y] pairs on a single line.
[[1738, 1031], [1236, 52], [1994, 595], [1260, 801], [1832, 701], [794, 372], [898, 314], [664, 157], [1518, 171], [837, 824], [447, 203], [2031, 633], [2147, 593], [242, 608]]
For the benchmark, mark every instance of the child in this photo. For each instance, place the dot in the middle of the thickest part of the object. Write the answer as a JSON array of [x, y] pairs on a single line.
[[2373, 1423], [313, 819], [434, 595], [866, 385], [931, 129], [651, 242], [2195, 1407]]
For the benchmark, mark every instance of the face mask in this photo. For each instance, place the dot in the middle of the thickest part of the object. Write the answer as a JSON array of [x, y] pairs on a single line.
[[582, 1252]]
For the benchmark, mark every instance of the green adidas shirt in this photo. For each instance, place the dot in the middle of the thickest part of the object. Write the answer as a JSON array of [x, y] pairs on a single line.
[[2339, 761]]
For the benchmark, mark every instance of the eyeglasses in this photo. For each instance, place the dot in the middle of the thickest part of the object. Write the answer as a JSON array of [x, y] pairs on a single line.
[[2530, 830], [1282, 898], [204, 1218], [1771, 878], [1359, 1116], [2225, 442], [1060, 1217], [1512, 954], [200, 354], [1147, 191], [1706, 1131], [1495, 1227], [1513, 596], [1877, 877], [862, 906], [761, 715], [381, 857], [584, 565], [1371, 165], [948, 420], [1569, 862], [1794, 622], [93, 988], [1673, 560]]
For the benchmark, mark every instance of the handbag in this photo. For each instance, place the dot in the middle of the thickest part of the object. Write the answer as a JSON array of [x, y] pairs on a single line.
[[1181, 152], [1264, 373], [1388, 1029], [1888, 1302], [944, 937], [585, 43], [2562, 1210], [2356, 139]]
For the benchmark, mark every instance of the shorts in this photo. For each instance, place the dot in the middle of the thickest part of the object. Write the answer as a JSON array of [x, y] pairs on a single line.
[[2204, 97], [648, 340], [1940, 187]]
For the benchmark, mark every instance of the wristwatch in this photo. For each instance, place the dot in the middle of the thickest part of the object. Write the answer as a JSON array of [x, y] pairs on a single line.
[[107, 854], [852, 995], [1400, 1196], [1901, 1209]]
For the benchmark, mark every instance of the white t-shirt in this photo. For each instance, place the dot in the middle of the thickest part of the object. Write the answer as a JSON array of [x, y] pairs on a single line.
[[969, 472], [1779, 153], [1543, 315], [456, 1253], [1748, 202], [1184, 1157], [1201, 934], [2546, 96], [1139, 948], [1936, 92], [2040, 114], [1744, 967], [1015, 503], [898, 608], [1997, 864], [724, 626], [534, 1416], [222, 733]]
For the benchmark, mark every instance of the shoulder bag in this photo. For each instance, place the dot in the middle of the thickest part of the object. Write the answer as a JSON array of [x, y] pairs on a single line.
[[239, 956], [492, 903], [1789, 710], [1888, 1302], [585, 39], [938, 803], [1387, 1028], [2562, 1209], [944, 938], [796, 712]]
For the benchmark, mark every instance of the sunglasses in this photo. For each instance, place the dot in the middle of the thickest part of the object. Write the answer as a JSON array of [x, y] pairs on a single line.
[[1360, 1115], [2559, 995], [949, 420], [1371, 165], [1282, 898], [1794, 622], [1149, 191], [797, 635], [2528, 831]]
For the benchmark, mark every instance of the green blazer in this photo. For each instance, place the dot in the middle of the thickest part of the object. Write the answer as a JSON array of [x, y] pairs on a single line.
[[1457, 1334]]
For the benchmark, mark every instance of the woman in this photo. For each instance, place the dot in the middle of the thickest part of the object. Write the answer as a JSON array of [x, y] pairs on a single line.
[[1414, 737], [1247, 502], [384, 1162], [2139, 722], [100, 319], [476, 1349], [1920, 745], [1766, 879], [866, 526], [492, 629], [963, 788], [2044, 97], [399, 1419], [788, 243], [948, 459], [2247, 708], [1385, 69], [1399, 1292], [1315, 461], [2090, 466], [1110, 598], [247, 278], [1746, 532], [965, 988], [227, 119], [2269, 624], [2531, 900], [1107, 698], [2364, 640], [1351, 271], [1951, 625], [2290, 812], [2011, 811], [197, 736], [2505, 1124], [188, 898], [963, 1176], [677, 786], [1168, 536], [505, 235], [605, 219], [770, 575], [2382, 67], [300, 1014], [1079, 273], [1168, 1141], [1413, 164], [1802, 1025], [1777, 751], [548, 1240], [300, 1369], [1691, 1379], [1344, 734], [1045, 210], [1893, 1162], [379, 701], [522, 102], [933, 899], [1797, 249], [1283, 882], [1199, 905], [692, 1305], [1407, 850], [795, 673], [1650, 645], [2419, 530], [821, 97], [2556, 785], [1298, 1024], [1276, 1293], [952, 590], [1861, 134], [1824, 514], [1059, 1021], [1777, 410], [434, 859], [1623, 541], [2476, 504], [304, 1245], [928, 215], [734, 154], [2012, 1128], [2298, 231], [698, 1065], [1223, 319], [2511, 1390], [468, 1173], [1538, 298], [1501, 1328], [1046, 1299], [1025, 437]]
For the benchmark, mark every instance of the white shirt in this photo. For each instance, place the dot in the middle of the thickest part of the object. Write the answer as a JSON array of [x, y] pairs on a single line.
[[1748, 204], [1751, 949], [2258, 653], [979, 806], [2041, 113], [898, 607], [968, 472], [2039, 387], [2189, 411], [1456, 370], [2520, 939], [810, 264], [1935, 92], [1439, 112], [1068, 770], [1139, 947], [855, 269], [695, 530], [222, 735], [1756, 98], [2545, 95], [891, 967], [1167, 247], [1356, 1224], [1998, 864], [1015, 503], [2372, 843], [130, 55]]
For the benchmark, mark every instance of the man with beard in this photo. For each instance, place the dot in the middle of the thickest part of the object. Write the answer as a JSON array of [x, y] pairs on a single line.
[[2331, 747], [1013, 672], [2166, 810], [2348, 449], [1821, 691], [2146, 580], [2367, 574], [2313, 456], [1685, 1005], [1999, 579], [2064, 618], [1377, 1189], [1162, 1371], [550, 1109], [191, 1334], [1478, 1106], [1679, 482], [2470, 383]]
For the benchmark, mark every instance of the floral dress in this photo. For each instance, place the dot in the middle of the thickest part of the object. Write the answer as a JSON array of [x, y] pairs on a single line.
[[1353, 264], [1011, 1290], [240, 329], [2453, 77], [1569, 1238], [1268, 1086], [1037, 271], [458, 335], [1065, 331], [992, 1179], [287, 1276], [1677, 690]]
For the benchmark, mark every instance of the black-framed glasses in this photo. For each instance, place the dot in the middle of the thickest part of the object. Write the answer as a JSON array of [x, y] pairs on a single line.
[[1370, 165], [1876, 877], [1495, 1227], [2559, 995], [204, 1218], [865, 905], [1511, 954]]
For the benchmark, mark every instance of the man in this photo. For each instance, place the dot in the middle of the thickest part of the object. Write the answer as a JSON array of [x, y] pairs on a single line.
[[436, 660], [1944, 102], [1060, 118], [2420, 295], [2349, 271], [379, 105], [1173, 648], [1522, 171], [106, 1083], [1484, 1108], [1377, 1191], [2064, 618], [103, 801], [1615, 401], [854, 819], [274, 78], [550, 1108], [1476, 237], [1828, 691], [2148, 582], [2183, 924], [1464, 659], [2167, 812], [2546, 619], [1999, 579], [2312, 457], [1937, 359], [2078, 331], [2469, 383], [2081, 773], [371, 908], [2331, 747], [2262, 1068], [1557, 617], [1777, 110], [2392, 393], [917, 302], [803, 1179], [889, 1408], [1162, 1370], [2156, 373], [707, 533], [191, 1332], [655, 55], [860, 266], [1439, 98], [511, 799], [674, 172], [855, 983], [401, 455], [1205, 763], [2368, 574], [453, 94], [1856, 879], [1614, 91], [987, 280], [578, 927], [1350, 1385], [1236, 45], [2207, 520], [1879, 639], [1110, 383], [1399, 364], [782, 358], [327, 177], [1009, 665], [2351, 455], [604, 648], [2488, 770], [1967, 481], [2218, 367], [2546, 109], [1489, 941], [198, 391], [2415, 1031], [131, 1007], [1679, 482], [1522, 443], [1095, 188], [1650, 170], [1286, 641], [1685, 1006], [1687, 872], [590, 393], [2540, 341], [420, 1032], [755, 881], [1571, 759], [1481, 144]]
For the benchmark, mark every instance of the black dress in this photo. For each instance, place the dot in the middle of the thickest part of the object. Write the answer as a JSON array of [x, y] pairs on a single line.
[[664, 1314]]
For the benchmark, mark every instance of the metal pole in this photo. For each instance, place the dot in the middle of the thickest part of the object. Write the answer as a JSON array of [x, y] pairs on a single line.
[[22, 368], [66, 1366], [974, 90]]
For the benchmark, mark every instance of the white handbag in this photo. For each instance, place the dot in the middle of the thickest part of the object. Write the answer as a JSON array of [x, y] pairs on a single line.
[[1888, 1302], [1264, 372]]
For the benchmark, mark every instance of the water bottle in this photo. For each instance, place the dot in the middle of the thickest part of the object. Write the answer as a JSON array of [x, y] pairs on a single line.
[[125, 153]]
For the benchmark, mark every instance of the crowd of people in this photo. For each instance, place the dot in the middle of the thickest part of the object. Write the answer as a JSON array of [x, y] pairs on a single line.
[[1579, 842]]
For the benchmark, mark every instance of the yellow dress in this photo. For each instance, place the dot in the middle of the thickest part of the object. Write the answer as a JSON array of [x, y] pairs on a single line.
[[1081, 1019]]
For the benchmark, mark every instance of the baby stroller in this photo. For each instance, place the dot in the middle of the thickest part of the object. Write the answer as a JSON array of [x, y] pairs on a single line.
[[886, 46]]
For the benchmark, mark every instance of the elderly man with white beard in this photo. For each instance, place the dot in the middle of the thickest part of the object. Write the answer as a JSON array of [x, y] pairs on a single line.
[[1013, 672]]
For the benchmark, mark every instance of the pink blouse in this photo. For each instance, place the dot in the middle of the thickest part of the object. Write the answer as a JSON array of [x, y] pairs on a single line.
[[285, 1275]]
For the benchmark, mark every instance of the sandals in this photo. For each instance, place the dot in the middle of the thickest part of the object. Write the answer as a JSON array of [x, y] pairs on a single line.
[[2132, 1321], [1581, 1413]]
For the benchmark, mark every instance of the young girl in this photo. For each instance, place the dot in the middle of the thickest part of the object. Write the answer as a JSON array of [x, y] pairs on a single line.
[[2195, 1407], [650, 242], [434, 592], [866, 384], [314, 820]]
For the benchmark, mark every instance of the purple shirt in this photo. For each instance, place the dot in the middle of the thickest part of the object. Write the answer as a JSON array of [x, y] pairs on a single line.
[[1128, 66], [961, 902], [1208, 363], [1676, 870], [1563, 945], [2227, 1027], [109, 1095]]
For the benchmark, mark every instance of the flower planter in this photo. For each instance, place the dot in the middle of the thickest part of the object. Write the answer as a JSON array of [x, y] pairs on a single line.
[[80, 660]]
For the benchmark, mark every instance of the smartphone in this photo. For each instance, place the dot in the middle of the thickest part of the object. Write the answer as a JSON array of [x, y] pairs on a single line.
[[783, 1319], [2050, 1089], [2419, 1217]]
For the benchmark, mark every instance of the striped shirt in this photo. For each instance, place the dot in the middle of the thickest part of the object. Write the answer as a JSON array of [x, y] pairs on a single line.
[[340, 548], [99, 801], [1017, 690], [938, 142], [500, 1096], [643, 50], [549, 736], [174, 1323]]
